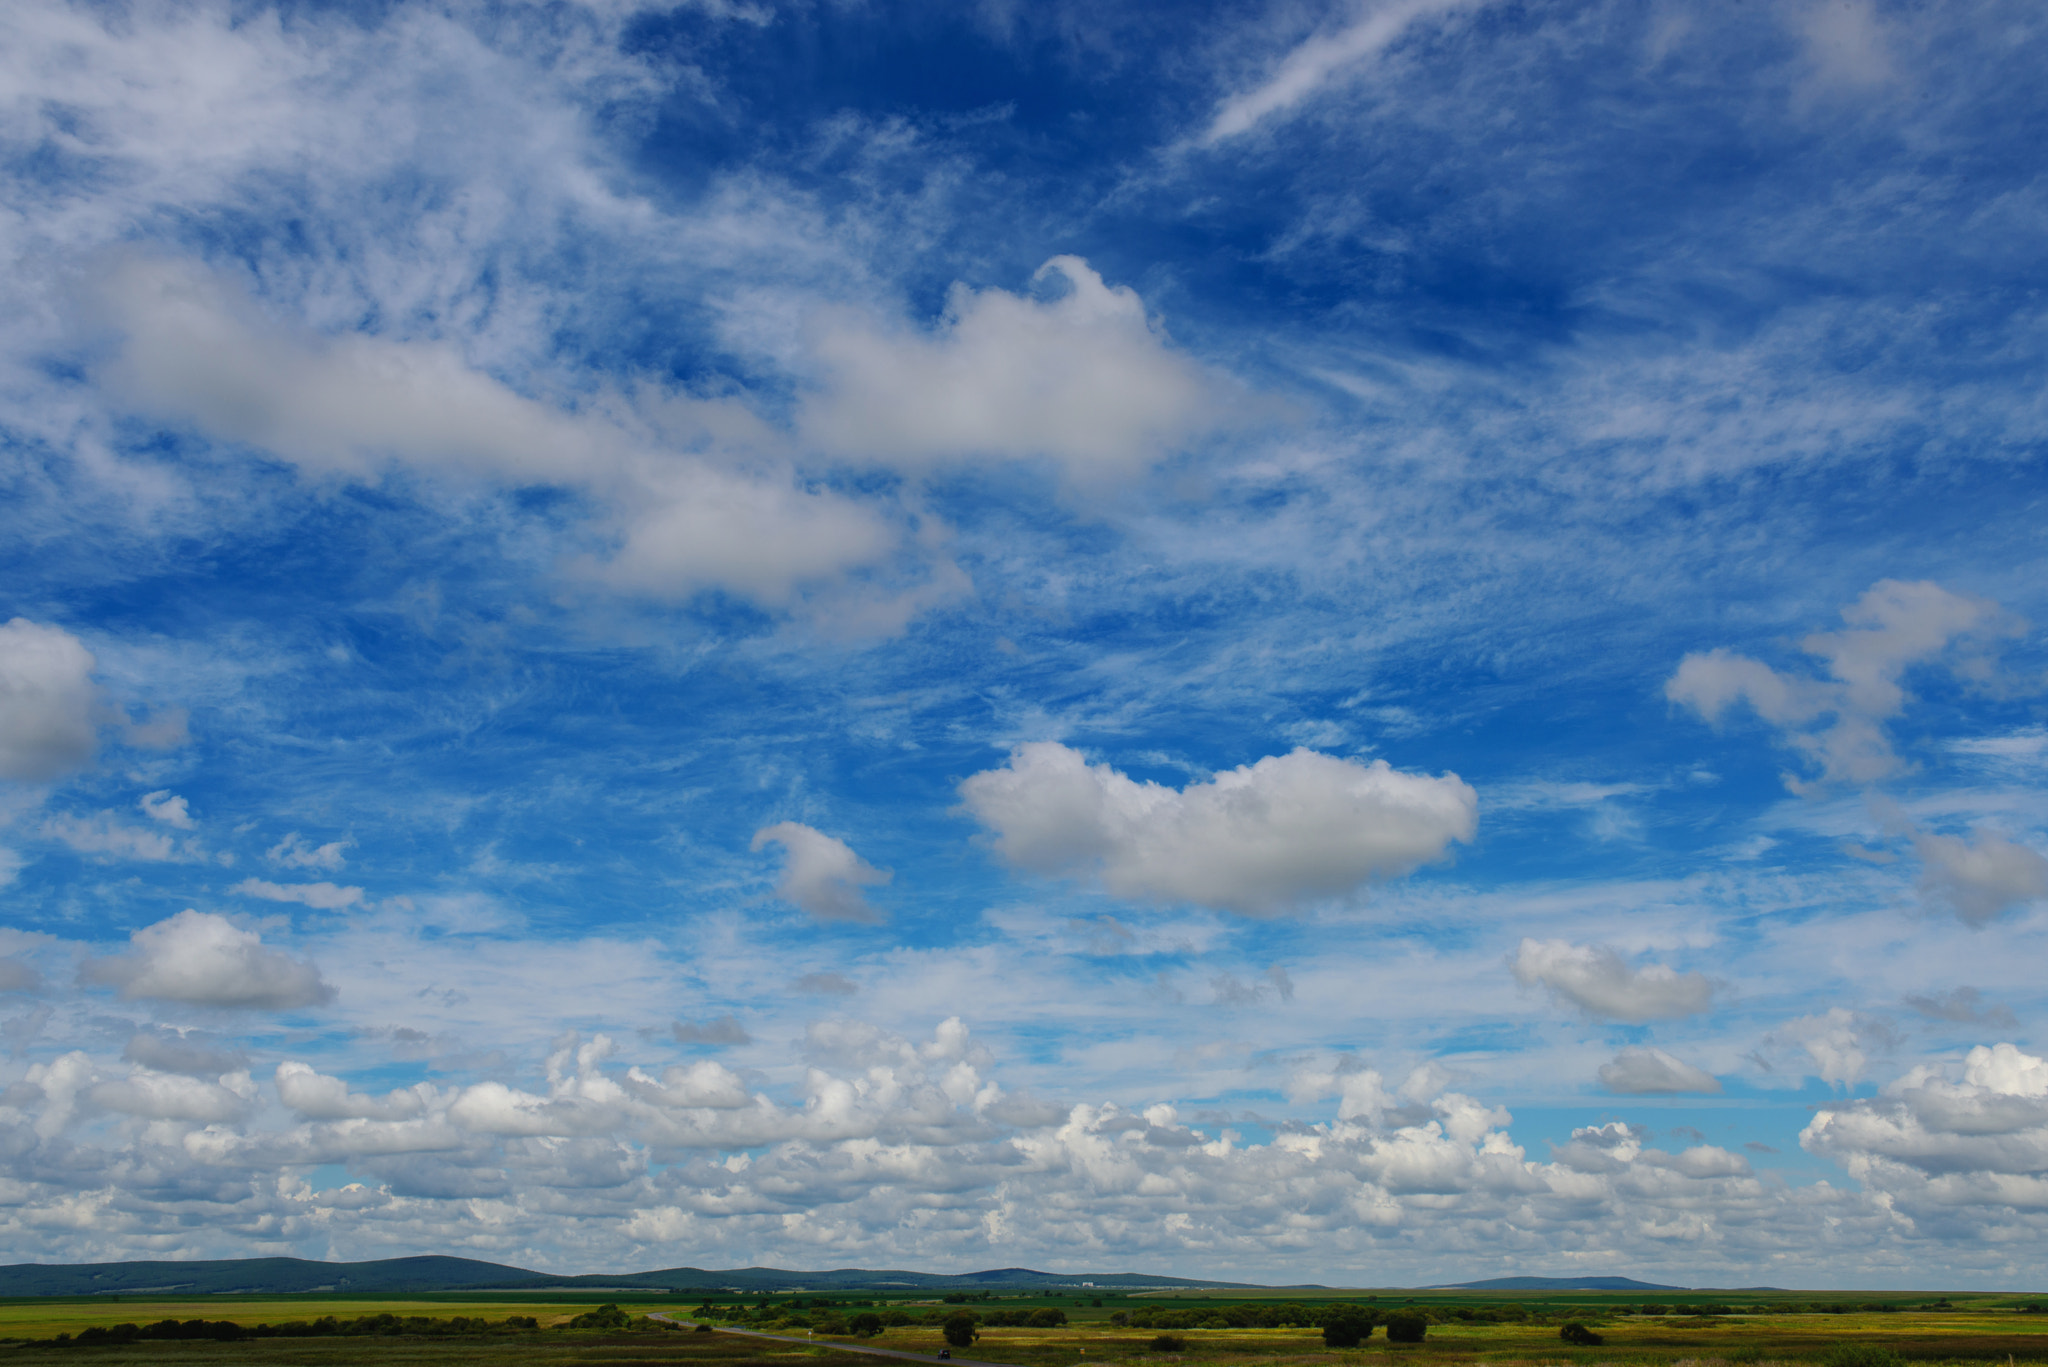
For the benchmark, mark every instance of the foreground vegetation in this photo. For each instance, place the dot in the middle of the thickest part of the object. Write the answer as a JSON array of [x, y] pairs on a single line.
[[1264, 1330]]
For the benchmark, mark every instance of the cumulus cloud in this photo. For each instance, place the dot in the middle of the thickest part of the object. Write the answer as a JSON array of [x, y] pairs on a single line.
[[1894, 626], [1650, 1071], [105, 837], [321, 896], [1981, 877], [171, 1096], [317, 1096], [1599, 981], [1956, 1150], [167, 808], [1837, 1043], [1259, 839], [197, 351], [1084, 379], [297, 852], [206, 960], [719, 1030], [820, 873], [1319, 60], [182, 1051], [46, 702], [16, 976]]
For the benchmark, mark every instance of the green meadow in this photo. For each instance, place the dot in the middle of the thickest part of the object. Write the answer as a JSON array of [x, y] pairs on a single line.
[[1671, 1330]]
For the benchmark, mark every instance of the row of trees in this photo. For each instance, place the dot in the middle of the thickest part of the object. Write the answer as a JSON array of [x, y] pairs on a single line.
[[228, 1331]]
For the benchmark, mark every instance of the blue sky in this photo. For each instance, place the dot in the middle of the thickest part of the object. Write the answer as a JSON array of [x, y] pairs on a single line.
[[1369, 642]]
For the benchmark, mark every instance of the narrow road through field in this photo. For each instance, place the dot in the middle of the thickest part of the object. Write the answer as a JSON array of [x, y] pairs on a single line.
[[834, 1343]]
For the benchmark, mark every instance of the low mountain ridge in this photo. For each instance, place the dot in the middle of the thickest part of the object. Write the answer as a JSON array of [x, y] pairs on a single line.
[[432, 1273]]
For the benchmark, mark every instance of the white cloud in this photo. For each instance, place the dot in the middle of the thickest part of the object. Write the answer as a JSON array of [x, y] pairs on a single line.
[[1893, 626], [105, 836], [171, 1096], [172, 811], [321, 896], [1980, 877], [205, 960], [1639, 1071], [16, 976], [1315, 62], [1260, 838], [821, 874], [182, 1051], [1838, 1042], [1962, 1156], [319, 1097], [1598, 980], [296, 852], [349, 406], [1084, 380], [46, 702]]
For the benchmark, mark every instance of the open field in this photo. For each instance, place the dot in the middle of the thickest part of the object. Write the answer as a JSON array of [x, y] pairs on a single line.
[[1489, 1329]]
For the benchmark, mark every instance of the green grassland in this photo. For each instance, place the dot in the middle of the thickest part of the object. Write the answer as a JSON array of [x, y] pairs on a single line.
[[1492, 1329]]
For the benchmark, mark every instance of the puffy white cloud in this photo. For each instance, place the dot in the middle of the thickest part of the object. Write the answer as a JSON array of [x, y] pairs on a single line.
[[1838, 1042], [1893, 626], [165, 807], [171, 1096], [1953, 1153], [104, 835], [197, 351], [206, 960], [1084, 380], [820, 873], [183, 1051], [322, 896], [297, 852], [1599, 981], [907, 1148], [1640, 1071], [46, 701], [1980, 877], [1260, 838], [319, 1097]]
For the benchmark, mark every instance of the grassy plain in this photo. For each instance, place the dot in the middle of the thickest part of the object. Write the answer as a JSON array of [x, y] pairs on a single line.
[[1772, 1328]]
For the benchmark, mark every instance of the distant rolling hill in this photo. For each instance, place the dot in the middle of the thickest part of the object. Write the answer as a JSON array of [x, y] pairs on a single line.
[[272, 1276], [1557, 1284]]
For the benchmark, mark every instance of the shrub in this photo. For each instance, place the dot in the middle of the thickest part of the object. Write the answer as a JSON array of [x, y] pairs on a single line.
[[1047, 1318], [604, 1317], [867, 1324], [1169, 1343], [959, 1329], [1120, 1318], [895, 1319], [1405, 1326], [1348, 1332], [703, 1328], [1579, 1335]]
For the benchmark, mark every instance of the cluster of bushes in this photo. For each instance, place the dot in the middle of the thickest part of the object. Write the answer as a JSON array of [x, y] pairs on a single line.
[[228, 1331], [1045, 1317]]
